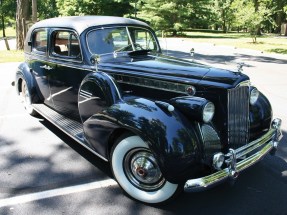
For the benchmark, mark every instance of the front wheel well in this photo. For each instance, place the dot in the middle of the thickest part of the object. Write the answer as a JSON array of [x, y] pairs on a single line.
[[116, 134]]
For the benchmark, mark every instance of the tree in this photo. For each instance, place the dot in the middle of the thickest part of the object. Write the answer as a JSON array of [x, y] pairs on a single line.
[[93, 7], [224, 13], [175, 15], [21, 16], [163, 15], [280, 13], [7, 11], [47, 9], [251, 14], [3, 27]]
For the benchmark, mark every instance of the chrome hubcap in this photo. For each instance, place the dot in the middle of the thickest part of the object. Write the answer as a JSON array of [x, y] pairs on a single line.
[[142, 170]]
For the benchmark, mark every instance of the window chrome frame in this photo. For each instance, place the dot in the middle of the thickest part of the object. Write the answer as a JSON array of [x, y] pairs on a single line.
[[34, 51], [60, 57]]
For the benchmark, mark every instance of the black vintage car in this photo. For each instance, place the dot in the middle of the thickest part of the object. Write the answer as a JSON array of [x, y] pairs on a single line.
[[164, 124]]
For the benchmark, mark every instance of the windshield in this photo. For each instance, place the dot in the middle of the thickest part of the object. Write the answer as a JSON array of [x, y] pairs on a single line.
[[108, 40]]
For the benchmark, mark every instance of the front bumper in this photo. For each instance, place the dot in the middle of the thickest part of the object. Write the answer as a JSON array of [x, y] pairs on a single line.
[[239, 159]]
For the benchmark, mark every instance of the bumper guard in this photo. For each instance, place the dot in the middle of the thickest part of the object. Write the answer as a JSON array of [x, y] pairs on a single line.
[[263, 145]]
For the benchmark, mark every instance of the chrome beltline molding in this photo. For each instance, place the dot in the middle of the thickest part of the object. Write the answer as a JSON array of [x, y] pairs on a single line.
[[266, 143]]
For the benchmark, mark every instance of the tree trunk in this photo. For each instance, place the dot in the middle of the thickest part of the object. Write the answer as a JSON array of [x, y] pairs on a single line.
[[279, 15], [4, 34], [34, 11], [174, 32], [256, 7], [3, 29], [224, 28], [21, 17]]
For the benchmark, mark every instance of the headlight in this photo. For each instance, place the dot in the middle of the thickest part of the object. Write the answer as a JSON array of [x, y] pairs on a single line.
[[254, 94], [208, 112]]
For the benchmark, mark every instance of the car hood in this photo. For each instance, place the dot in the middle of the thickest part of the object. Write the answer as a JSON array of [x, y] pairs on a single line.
[[165, 67]]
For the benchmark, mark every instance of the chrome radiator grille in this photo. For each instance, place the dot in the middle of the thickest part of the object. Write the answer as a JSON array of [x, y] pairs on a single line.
[[238, 116]]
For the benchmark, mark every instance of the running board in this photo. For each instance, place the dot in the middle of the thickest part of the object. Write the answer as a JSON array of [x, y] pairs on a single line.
[[70, 127]]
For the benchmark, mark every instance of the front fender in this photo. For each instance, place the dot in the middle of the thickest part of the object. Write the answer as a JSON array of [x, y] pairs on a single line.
[[260, 117], [174, 140]]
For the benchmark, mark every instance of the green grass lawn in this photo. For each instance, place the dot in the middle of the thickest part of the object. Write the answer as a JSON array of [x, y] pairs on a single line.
[[11, 56], [266, 43], [10, 33]]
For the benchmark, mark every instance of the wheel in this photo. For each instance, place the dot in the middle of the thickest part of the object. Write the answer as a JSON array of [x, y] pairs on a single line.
[[26, 99], [137, 172]]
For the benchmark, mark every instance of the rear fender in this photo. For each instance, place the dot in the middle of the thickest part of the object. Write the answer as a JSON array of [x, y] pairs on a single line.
[[24, 72], [97, 92]]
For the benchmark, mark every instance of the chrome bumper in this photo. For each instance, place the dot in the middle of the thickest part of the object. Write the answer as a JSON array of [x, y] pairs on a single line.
[[238, 159]]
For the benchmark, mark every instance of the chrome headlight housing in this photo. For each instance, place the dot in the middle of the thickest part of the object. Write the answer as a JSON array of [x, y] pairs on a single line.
[[208, 112], [254, 95], [196, 108]]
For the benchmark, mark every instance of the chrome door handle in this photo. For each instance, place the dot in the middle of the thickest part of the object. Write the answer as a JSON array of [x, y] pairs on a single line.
[[46, 67]]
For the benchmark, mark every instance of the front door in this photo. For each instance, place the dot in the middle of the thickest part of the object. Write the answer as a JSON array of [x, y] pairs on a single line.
[[67, 73]]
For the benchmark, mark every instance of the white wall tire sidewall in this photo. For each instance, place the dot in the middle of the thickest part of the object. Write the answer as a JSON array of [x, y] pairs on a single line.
[[158, 196], [27, 101]]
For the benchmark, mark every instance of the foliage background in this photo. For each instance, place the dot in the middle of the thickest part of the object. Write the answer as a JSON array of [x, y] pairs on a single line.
[[173, 17], [169, 15]]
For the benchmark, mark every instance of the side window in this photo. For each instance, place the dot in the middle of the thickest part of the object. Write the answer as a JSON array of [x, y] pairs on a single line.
[[40, 41], [65, 44]]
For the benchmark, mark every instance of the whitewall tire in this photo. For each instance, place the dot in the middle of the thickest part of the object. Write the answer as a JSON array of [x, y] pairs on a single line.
[[137, 172], [26, 98]]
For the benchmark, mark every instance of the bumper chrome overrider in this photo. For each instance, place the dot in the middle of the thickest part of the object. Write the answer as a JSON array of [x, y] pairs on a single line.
[[239, 159]]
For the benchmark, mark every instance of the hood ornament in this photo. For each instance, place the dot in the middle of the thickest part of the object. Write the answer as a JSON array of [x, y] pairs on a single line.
[[240, 67], [191, 52]]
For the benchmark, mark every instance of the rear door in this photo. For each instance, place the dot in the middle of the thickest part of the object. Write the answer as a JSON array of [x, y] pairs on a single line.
[[38, 63]]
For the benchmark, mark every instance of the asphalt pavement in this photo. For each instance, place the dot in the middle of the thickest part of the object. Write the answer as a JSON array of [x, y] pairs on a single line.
[[43, 171]]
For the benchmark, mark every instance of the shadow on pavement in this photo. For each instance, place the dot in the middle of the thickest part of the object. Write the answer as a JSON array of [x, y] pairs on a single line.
[[85, 153]]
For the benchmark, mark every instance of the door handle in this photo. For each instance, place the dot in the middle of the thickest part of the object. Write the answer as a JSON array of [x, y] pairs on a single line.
[[46, 67]]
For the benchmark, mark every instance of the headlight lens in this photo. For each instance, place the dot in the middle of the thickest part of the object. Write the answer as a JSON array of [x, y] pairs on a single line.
[[208, 112], [254, 94]]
